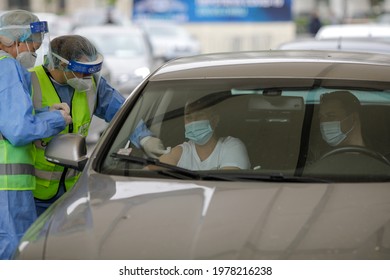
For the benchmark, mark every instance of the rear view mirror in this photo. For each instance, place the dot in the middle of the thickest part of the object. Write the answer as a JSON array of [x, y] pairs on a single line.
[[68, 150]]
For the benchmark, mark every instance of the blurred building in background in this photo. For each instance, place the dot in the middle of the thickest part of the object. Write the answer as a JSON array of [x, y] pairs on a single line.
[[220, 25]]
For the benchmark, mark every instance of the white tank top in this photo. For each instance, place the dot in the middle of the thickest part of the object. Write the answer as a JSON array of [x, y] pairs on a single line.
[[229, 151]]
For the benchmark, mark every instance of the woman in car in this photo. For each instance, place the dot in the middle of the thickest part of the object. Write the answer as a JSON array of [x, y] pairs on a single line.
[[205, 150]]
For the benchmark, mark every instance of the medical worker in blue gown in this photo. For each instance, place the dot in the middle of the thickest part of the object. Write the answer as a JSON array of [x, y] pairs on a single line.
[[21, 35]]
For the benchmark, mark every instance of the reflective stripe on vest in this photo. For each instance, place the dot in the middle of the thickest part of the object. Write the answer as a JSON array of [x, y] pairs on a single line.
[[48, 175], [16, 169], [16, 164]]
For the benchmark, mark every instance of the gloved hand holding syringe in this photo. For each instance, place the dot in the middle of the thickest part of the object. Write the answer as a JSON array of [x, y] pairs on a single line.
[[143, 138]]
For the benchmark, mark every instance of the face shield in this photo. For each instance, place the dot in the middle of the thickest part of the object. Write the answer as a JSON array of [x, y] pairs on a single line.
[[32, 41], [40, 40], [83, 74]]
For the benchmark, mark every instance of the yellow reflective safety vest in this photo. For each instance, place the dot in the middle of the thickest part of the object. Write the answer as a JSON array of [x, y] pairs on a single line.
[[49, 175], [16, 165]]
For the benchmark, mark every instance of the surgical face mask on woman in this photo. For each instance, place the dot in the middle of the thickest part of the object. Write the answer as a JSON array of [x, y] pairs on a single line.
[[332, 133], [199, 132], [79, 84]]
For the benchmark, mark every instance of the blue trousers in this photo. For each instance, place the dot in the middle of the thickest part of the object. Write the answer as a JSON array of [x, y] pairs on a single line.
[[17, 213]]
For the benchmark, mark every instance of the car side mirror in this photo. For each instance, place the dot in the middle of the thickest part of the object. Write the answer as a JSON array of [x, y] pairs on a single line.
[[68, 150]]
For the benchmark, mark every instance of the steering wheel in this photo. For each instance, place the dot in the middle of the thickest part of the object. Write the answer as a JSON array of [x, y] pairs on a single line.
[[356, 149]]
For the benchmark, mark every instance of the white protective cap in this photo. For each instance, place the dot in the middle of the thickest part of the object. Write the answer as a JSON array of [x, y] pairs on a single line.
[[22, 26]]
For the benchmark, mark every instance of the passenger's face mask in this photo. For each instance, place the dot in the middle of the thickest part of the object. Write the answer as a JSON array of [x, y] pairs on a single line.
[[80, 84], [332, 133], [199, 132]]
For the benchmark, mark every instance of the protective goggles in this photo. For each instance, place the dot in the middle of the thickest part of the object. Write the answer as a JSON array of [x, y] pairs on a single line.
[[83, 67]]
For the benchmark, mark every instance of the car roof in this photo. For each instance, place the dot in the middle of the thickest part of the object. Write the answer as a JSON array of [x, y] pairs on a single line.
[[279, 64]]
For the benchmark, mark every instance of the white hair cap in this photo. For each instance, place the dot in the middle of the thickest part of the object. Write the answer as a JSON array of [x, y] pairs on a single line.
[[15, 25]]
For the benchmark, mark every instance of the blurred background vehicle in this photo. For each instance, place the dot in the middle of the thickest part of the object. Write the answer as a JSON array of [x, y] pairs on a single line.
[[58, 24], [160, 6], [98, 16], [127, 53], [169, 40], [342, 44], [364, 30], [383, 18]]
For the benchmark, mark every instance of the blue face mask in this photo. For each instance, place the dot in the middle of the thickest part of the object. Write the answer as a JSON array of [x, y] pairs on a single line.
[[199, 132], [332, 133]]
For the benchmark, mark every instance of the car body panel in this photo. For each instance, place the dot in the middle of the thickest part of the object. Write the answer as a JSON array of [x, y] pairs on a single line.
[[176, 220]]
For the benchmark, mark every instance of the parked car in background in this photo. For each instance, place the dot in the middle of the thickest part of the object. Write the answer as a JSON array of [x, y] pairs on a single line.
[[363, 30], [58, 24], [169, 40], [300, 198], [341, 44], [98, 16], [383, 18], [127, 53]]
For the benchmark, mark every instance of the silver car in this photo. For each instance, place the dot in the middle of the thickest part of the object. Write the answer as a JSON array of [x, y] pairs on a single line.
[[299, 198]]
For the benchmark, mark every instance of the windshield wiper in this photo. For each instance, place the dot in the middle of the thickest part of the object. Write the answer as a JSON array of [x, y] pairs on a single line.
[[171, 170], [226, 175], [255, 176]]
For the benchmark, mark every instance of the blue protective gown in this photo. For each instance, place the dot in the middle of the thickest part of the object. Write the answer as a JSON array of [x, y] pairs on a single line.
[[19, 126], [17, 123]]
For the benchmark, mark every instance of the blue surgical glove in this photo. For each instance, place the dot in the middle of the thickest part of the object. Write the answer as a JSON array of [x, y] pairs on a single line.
[[143, 138], [140, 132]]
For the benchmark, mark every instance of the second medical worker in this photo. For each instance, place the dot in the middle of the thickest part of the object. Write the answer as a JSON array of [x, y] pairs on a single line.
[[70, 74]]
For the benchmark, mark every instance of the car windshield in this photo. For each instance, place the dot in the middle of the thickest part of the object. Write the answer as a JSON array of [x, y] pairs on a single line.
[[285, 129]]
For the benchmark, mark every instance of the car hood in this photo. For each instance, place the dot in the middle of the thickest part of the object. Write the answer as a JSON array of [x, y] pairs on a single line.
[[147, 219]]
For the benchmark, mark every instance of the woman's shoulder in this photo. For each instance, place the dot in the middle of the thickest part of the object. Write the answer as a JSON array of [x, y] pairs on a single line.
[[230, 140]]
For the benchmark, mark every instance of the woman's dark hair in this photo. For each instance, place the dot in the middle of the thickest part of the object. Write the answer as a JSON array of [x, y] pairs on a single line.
[[349, 101]]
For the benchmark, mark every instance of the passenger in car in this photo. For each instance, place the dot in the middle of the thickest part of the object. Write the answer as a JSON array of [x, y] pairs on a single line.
[[341, 129], [340, 119], [204, 150]]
